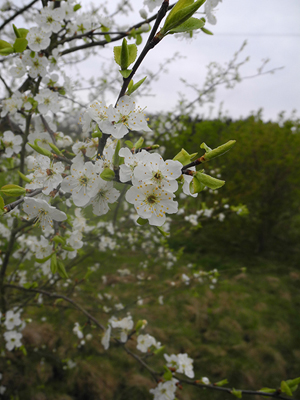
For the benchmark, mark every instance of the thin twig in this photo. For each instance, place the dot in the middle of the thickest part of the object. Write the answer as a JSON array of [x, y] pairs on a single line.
[[59, 296]]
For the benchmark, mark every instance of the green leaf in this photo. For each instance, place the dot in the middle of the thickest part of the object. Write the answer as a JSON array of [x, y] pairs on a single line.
[[293, 382], [54, 148], [165, 234], [139, 39], [6, 51], [129, 144], [267, 390], [30, 285], [4, 45], [142, 221], [20, 45], [125, 72], [124, 55], [2, 204], [237, 393], [16, 31], [209, 181], [205, 147], [107, 174], [183, 10], [53, 265], [286, 389], [135, 86], [219, 151], [58, 240], [67, 248], [206, 31], [138, 144], [190, 25], [76, 7], [13, 190], [132, 49], [159, 350], [61, 269], [196, 186], [42, 260], [168, 374], [221, 383], [116, 158], [23, 349], [184, 157], [24, 177], [23, 32]]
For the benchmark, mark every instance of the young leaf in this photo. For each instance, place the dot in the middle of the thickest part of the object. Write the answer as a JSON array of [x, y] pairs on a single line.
[[209, 181], [165, 234], [124, 55], [142, 221], [237, 393], [2, 204], [13, 190], [53, 265], [116, 158], [61, 269], [24, 177], [134, 87], [180, 14], [107, 174], [219, 151], [4, 45], [16, 31], [190, 25], [286, 389], [20, 45], [168, 374]]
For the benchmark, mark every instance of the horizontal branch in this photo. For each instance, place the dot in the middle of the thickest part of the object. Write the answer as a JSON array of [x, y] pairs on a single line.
[[276, 394], [59, 296]]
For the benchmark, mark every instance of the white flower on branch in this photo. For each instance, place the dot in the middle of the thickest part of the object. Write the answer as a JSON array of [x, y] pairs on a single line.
[[37, 65], [50, 20], [152, 203], [124, 118], [13, 339], [159, 172], [48, 101], [165, 390], [12, 143], [38, 39], [42, 212], [12, 319], [81, 183]]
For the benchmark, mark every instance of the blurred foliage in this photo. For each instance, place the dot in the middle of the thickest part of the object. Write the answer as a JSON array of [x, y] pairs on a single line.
[[262, 172]]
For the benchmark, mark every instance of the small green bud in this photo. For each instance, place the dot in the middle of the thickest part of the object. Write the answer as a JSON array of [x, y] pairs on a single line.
[[107, 174]]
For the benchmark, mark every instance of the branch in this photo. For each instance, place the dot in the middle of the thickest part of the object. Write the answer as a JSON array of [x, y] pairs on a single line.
[[59, 296], [17, 13], [119, 37], [276, 394], [14, 204], [136, 357]]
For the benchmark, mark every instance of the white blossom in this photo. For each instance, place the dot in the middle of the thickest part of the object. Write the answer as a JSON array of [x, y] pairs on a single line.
[[13, 339], [42, 212], [38, 39], [12, 143], [152, 203]]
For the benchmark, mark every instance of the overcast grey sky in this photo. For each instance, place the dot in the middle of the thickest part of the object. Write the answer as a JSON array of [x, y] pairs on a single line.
[[272, 30]]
